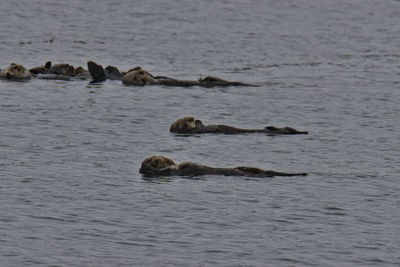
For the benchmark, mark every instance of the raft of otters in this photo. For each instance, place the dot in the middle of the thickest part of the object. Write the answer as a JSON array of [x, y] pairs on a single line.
[[191, 125], [135, 76], [158, 165]]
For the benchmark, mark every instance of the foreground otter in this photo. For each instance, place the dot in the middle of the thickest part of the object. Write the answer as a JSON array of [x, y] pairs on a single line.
[[190, 125], [139, 77], [15, 72], [158, 165]]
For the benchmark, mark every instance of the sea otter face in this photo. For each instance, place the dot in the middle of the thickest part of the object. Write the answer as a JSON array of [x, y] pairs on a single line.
[[184, 125], [138, 77], [15, 72], [141, 76], [153, 164]]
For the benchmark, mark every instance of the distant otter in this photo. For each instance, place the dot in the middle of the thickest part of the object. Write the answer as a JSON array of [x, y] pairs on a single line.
[[139, 77], [191, 125], [15, 72], [61, 71], [158, 165], [135, 76]]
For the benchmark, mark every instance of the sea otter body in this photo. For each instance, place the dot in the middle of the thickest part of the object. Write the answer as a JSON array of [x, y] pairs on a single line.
[[15, 72], [139, 77], [191, 125], [158, 165]]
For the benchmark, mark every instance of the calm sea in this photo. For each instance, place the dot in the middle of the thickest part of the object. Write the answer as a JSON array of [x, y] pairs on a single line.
[[70, 190]]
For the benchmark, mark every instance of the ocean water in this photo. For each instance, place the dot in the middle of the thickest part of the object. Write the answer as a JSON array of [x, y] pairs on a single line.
[[70, 190]]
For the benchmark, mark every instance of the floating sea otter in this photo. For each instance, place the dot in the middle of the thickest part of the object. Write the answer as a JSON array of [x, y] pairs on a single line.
[[158, 165], [61, 71], [15, 72], [191, 125], [139, 77]]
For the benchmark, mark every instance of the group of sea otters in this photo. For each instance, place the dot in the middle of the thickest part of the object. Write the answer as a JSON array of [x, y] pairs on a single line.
[[157, 165]]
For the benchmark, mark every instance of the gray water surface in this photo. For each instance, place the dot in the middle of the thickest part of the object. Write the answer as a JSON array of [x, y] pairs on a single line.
[[70, 190]]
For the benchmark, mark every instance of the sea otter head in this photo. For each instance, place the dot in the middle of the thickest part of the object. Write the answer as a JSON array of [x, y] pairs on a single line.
[[186, 125], [79, 70], [153, 164], [15, 72], [137, 77]]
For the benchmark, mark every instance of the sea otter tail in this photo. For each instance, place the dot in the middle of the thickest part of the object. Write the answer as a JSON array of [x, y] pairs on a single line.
[[290, 130], [285, 130]]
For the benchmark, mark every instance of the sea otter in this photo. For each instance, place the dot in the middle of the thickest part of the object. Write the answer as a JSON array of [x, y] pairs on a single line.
[[15, 72], [191, 125], [158, 165], [139, 77], [61, 71]]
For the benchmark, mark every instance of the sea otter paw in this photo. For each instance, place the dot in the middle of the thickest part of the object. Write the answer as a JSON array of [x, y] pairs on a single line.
[[96, 71]]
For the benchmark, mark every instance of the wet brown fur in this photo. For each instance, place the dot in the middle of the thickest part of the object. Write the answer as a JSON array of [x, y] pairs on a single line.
[[137, 77], [191, 125], [158, 165], [184, 124], [15, 72]]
